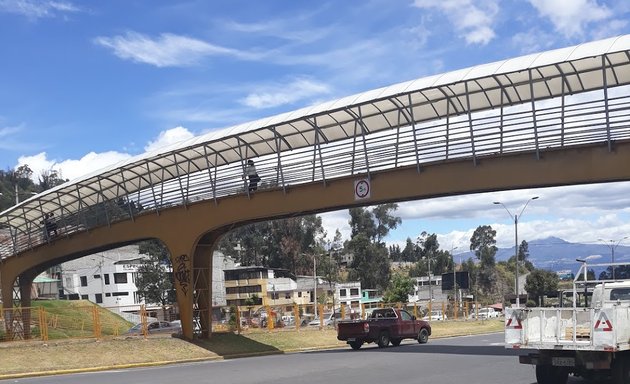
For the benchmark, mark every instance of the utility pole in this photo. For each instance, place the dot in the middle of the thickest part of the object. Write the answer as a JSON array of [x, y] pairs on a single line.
[[612, 244], [315, 284], [454, 278]]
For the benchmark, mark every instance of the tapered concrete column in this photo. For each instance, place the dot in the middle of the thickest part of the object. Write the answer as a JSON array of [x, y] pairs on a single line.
[[184, 289], [26, 285], [17, 314], [203, 287]]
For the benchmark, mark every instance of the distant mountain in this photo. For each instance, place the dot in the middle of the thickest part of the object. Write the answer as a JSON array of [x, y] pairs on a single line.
[[557, 254]]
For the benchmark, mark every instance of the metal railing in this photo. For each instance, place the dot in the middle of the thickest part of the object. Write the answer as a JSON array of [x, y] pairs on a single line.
[[550, 124]]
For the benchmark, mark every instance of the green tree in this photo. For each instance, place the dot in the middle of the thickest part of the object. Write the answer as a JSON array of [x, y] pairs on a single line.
[[49, 179], [395, 253], [399, 289], [154, 281], [285, 243], [370, 263], [385, 221], [483, 243], [540, 282], [410, 252]]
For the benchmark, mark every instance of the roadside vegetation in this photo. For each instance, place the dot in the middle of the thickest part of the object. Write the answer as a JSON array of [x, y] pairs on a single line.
[[36, 357]]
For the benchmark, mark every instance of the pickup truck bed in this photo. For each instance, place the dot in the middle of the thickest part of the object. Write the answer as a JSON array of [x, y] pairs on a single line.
[[385, 326]]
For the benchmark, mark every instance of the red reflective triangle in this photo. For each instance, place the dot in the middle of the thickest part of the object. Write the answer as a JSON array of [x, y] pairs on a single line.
[[517, 322], [606, 325]]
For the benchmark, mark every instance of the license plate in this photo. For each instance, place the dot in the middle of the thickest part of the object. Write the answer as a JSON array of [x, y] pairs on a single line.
[[563, 361], [352, 339]]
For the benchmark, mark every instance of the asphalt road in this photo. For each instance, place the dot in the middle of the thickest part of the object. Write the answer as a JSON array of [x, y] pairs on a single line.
[[469, 360]]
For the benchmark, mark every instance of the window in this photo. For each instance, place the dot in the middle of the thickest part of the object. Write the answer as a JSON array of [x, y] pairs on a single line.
[[99, 298], [620, 294], [106, 278], [120, 294], [287, 295], [84, 297], [405, 315], [300, 294], [342, 293], [275, 295], [354, 292], [97, 276], [108, 294], [120, 278], [84, 281], [243, 289]]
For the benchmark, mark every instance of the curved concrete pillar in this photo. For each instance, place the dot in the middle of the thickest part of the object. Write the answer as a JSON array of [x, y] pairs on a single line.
[[17, 309], [192, 275]]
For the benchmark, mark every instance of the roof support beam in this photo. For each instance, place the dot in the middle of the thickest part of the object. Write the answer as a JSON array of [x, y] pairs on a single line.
[[607, 111]]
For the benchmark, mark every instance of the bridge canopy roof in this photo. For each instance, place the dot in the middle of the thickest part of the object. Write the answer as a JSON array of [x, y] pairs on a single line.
[[582, 68]]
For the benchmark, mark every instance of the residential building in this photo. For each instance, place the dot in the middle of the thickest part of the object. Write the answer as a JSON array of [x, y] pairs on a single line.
[[266, 286], [370, 298], [423, 289], [349, 294], [108, 278]]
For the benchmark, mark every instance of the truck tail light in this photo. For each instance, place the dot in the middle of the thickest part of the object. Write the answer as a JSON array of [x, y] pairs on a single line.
[[366, 327]]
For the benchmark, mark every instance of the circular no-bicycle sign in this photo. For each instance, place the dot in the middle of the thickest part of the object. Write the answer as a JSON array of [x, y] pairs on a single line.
[[362, 189]]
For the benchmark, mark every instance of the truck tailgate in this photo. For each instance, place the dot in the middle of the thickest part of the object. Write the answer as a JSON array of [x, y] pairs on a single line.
[[603, 329], [351, 329]]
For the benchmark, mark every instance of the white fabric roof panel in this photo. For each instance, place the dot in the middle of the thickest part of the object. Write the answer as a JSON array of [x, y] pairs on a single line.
[[581, 66]]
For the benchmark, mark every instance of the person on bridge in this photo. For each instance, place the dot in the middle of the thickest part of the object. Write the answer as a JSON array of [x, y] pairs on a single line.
[[252, 175], [50, 226]]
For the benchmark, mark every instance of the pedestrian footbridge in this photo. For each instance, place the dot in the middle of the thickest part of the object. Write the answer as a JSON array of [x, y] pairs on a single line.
[[555, 118]]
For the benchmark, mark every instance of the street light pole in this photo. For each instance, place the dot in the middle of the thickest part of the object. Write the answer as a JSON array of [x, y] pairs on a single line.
[[515, 218], [612, 247], [315, 285]]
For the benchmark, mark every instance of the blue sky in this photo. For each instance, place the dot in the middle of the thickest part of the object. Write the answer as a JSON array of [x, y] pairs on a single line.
[[85, 84]]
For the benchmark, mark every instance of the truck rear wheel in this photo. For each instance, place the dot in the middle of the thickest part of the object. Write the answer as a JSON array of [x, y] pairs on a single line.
[[383, 340], [548, 374], [423, 336], [355, 344], [620, 370]]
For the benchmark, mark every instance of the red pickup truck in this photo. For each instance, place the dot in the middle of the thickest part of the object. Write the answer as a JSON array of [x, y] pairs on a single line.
[[384, 326]]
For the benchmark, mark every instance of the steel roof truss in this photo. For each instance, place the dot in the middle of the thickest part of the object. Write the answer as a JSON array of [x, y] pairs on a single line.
[[606, 108], [534, 119]]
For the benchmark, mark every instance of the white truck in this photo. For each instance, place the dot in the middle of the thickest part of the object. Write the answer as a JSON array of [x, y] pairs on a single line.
[[591, 341]]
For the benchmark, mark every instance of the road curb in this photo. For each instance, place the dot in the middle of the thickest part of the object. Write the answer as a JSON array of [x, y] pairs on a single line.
[[200, 359], [104, 368]]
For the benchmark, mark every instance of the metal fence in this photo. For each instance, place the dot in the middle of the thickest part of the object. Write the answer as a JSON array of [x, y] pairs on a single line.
[[95, 322]]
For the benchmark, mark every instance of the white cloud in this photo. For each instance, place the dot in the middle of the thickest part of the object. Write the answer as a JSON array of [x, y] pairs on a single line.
[[534, 40], [8, 131], [71, 169], [168, 50], [168, 137], [277, 95], [473, 21], [571, 17], [37, 9], [92, 161]]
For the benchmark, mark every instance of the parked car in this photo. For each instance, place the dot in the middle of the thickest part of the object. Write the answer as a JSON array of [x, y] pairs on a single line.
[[156, 327], [329, 319], [435, 315], [483, 314]]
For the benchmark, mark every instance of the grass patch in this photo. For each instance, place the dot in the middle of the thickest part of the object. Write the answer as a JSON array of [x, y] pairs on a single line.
[[73, 319], [36, 356]]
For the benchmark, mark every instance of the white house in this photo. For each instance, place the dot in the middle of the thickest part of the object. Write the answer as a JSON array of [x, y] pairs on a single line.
[[108, 278]]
